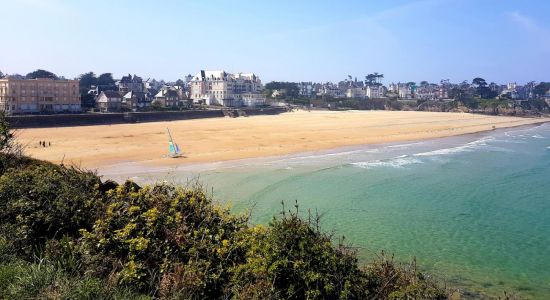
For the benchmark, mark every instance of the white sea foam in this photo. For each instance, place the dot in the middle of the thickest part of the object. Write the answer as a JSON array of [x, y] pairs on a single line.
[[396, 162], [537, 136], [405, 145], [510, 141], [325, 155], [446, 151], [469, 147], [524, 132]]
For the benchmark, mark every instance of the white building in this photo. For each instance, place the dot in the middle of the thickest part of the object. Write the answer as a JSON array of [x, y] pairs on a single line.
[[374, 92], [330, 90], [426, 93], [405, 91], [355, 93], [393, 88], [305, 89], [226, 89]]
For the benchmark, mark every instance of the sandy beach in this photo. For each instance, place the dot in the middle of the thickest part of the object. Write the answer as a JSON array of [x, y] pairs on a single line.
[[220, 139]]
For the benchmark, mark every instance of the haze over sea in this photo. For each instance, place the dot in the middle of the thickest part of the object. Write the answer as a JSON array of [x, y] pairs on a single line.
[[474, 209]]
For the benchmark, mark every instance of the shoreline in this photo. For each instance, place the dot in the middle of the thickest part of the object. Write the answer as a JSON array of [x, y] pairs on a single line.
[[213, 141], [136, 169]]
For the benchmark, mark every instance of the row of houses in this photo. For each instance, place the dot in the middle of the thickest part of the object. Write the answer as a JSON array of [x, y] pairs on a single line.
[[19, 95], [215, 88], [132, 93], [345, 89], [373, 88], [115, 101], [426, 91]]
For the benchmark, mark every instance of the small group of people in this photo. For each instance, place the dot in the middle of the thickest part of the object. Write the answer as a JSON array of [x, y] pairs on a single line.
[[44, 144]]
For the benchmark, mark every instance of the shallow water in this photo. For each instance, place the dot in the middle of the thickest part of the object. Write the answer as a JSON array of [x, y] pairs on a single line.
[[474, 210]]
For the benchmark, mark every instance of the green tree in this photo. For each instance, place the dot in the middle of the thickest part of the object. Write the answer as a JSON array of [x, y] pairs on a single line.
[[86, 81], [481, 87], [156, 105], [424, 83], [373, 79], [541, 89], [106, 79], [1, 75], [291, 88], [379, 78], [41, 74], [478, 81]]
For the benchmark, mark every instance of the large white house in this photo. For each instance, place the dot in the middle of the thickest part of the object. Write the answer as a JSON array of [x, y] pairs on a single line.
[[226, 89], [375, 91], [355, 93]]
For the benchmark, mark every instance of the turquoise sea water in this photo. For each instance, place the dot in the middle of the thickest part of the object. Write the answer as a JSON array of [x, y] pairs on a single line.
[[474, 210]]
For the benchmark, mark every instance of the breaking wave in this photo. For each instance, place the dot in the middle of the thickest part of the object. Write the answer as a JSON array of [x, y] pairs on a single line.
[[396, 162], [469, 147]]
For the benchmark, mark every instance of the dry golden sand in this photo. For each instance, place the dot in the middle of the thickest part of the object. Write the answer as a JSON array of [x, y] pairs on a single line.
[[209, 140]]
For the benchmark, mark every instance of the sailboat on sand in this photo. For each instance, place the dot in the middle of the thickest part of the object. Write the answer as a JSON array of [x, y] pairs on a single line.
[[173, 148]]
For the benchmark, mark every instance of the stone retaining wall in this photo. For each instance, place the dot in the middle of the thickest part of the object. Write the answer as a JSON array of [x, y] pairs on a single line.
[[34, 121]]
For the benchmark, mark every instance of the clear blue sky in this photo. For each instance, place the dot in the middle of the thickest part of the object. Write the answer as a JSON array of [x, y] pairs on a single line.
[[499, 40]]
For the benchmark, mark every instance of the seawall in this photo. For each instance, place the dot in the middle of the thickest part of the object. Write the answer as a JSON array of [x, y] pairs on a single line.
[[85, 119]]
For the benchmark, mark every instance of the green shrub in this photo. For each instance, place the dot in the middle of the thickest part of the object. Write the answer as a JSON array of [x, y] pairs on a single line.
[[388, 279], [41, 201], [291, 259], [163, 240], [6, 134]]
